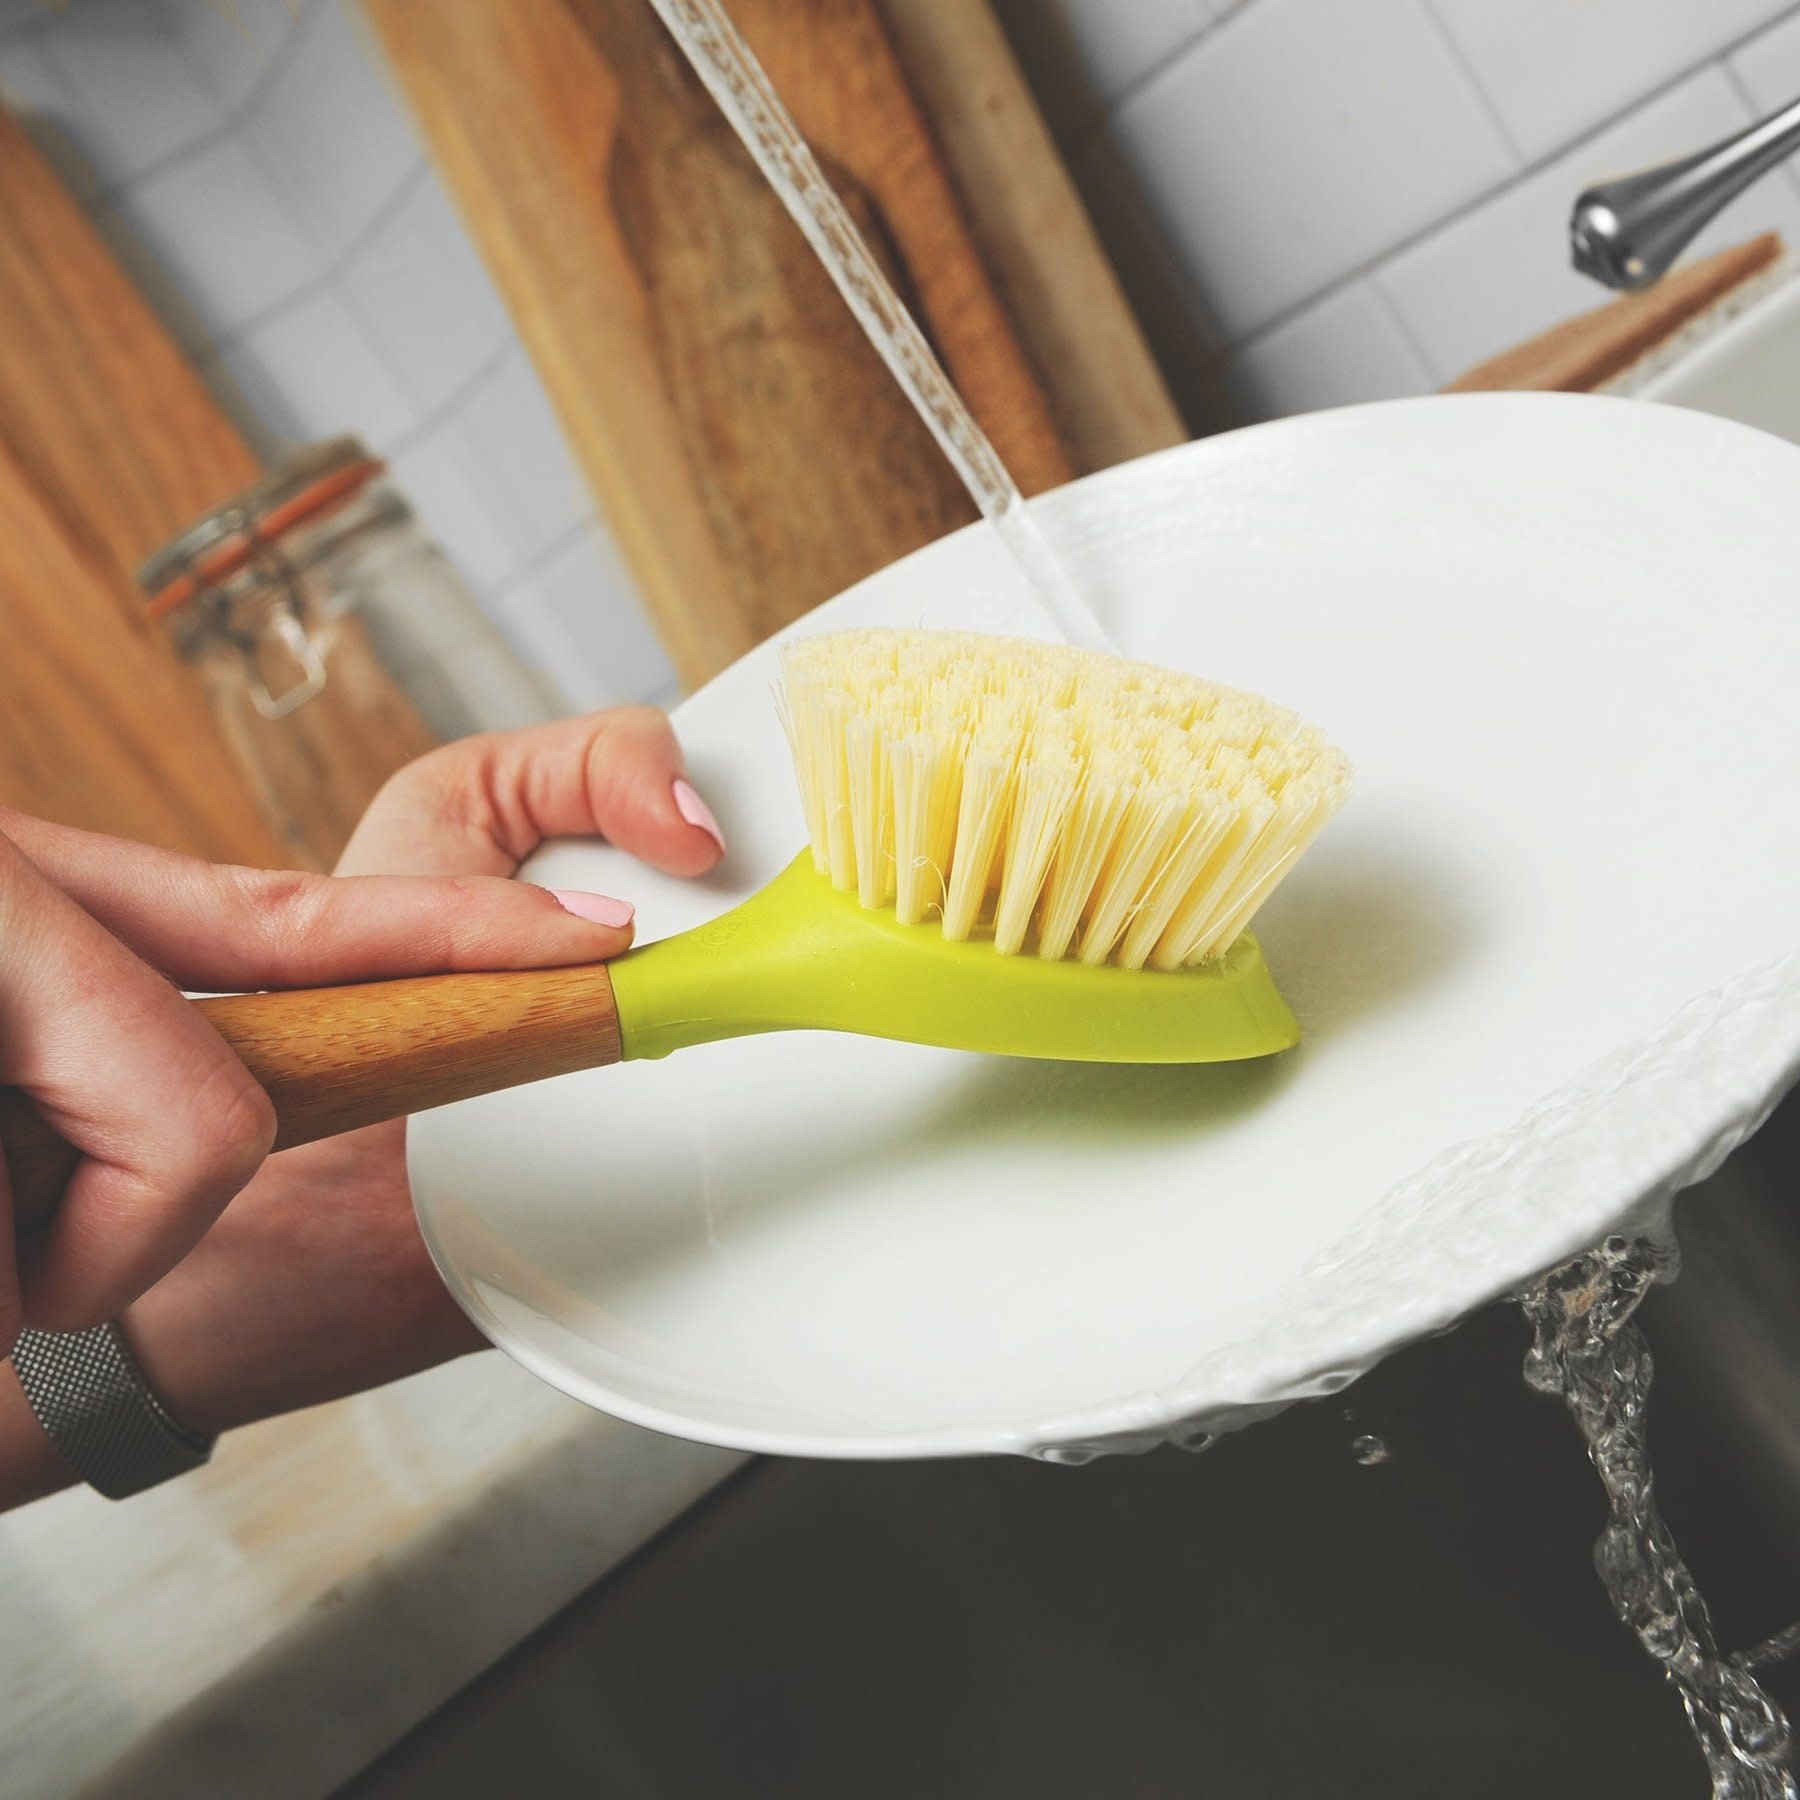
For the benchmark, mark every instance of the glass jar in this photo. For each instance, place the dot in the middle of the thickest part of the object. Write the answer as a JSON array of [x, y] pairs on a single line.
[[335, 638]]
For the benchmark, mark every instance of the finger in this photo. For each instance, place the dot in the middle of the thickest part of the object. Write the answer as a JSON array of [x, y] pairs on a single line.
[[169, 1122], [207, 925], [483, 804]]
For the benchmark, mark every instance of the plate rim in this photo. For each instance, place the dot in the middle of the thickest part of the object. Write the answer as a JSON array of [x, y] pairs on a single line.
[[1156, 1415]]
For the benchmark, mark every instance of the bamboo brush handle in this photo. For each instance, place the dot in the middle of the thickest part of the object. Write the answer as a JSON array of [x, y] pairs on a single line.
[[332, 1059]]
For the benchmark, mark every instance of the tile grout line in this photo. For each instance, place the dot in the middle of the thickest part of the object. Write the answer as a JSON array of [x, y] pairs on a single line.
[[1447, 38], [232, 116], [441, 414], [1403, 328], [540, 559], [1097, 109], [343, 259], [1178, 52], [502, 587], [327, 278], [1739, 87], [1788, 169], [1374, 265], [412, 182]]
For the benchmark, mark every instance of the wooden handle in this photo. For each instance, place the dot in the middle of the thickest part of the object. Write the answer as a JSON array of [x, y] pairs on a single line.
[[333, 1059]]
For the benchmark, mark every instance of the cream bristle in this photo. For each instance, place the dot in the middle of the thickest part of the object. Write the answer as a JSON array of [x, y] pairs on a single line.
[[927, 791], [871, 810], [1062, 800]]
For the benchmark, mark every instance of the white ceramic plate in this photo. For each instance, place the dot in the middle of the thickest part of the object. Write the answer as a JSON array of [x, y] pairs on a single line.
[[1545, 961]]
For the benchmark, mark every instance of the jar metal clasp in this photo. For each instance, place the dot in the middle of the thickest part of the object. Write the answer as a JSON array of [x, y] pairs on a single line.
[[290, 631]]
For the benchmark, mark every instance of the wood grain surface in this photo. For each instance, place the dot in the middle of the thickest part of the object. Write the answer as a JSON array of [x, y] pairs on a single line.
[[110, 444], [1062, 294], [99, 725], [1579, 354], [747, 447]]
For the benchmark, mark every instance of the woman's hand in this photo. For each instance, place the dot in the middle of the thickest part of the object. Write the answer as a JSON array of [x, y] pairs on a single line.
[[313, 1281], [93, 933]]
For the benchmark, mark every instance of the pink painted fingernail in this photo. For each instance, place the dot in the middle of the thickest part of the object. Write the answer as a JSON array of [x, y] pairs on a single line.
[[696, 811], [597, 909]]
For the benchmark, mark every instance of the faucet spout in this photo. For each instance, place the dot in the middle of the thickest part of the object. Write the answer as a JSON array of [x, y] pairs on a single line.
[[1627, 233]]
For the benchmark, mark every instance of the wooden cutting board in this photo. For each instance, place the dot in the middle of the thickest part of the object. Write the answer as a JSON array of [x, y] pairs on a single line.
[[98, 726], [1059, 290], [109, 444], [750, 452], [1579, 354]]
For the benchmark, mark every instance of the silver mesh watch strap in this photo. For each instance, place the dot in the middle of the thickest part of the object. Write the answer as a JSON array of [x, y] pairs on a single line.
[[91, 1398]]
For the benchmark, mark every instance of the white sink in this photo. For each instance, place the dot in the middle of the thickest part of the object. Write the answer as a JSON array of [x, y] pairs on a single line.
[[1748, 369]]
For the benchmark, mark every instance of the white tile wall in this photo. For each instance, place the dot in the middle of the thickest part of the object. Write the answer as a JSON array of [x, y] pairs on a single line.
[[255, 171], [599, 660], [329, 131], [1347, 347], [305, 369], [1767, 68], [1553, 68], [217, 229], [444, 478], [528, 481], [421, 265], [1271, 183], [1084, 56], [1170, 308], [125, 67], [234, 42], [1501, 273], [1361, 199], [1120, 45]]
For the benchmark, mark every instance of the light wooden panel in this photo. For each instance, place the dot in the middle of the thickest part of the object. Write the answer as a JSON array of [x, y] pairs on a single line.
[[98, 726], [1059, 289], [109, 444], [747, 447]]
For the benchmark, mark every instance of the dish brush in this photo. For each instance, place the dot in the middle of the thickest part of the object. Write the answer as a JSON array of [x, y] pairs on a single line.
[[1017, 848]]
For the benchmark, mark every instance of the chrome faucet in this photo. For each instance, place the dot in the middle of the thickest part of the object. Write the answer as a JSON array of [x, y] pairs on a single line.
[[1627, 233]]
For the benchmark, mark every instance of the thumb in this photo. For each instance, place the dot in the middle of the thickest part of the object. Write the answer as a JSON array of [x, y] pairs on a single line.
[[483, 804]]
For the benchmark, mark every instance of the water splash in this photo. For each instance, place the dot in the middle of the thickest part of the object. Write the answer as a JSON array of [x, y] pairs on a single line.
[[1771, 1650], [1586, 1351], [737, 81], [1370, 1450]]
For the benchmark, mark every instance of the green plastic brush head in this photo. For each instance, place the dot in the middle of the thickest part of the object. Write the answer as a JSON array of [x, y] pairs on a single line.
[[1017, 848], [800, 956]]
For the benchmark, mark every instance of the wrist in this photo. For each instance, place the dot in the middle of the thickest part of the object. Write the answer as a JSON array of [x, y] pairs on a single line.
[[191, 1379], [313, 1285], [30, 1467], [219, 1349]]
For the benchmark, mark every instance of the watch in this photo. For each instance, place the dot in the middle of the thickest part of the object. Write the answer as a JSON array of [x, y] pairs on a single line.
[[90, 1396]]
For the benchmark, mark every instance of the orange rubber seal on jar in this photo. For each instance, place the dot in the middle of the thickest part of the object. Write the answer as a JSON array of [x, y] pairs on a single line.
[[225, 559]]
